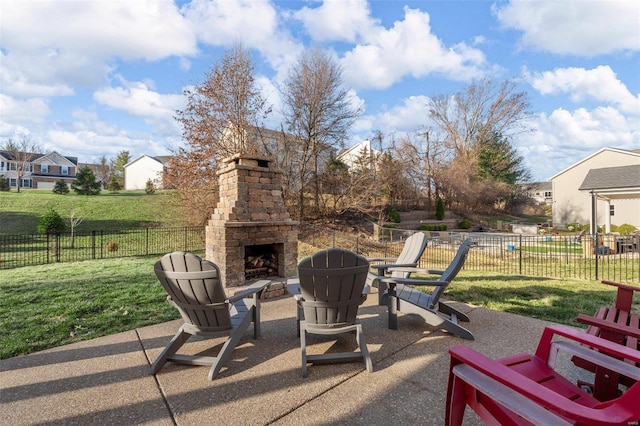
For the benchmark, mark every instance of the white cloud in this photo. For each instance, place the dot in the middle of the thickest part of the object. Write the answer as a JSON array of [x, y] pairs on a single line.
[[51, 46], [564, 137], [408, 49], [23, 111], [255, 23], [344, 20], [600, 84], [138, 100], [582, 28], [141, 29], [406, 117]]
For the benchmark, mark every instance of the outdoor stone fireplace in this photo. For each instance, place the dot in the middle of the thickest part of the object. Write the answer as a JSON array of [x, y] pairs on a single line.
[[250, 235]]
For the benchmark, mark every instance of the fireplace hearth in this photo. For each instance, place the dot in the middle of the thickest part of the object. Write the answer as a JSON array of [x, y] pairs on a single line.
[[250, 234]]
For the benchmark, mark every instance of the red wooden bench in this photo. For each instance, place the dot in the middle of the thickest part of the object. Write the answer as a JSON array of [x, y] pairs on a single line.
[[618, 324]]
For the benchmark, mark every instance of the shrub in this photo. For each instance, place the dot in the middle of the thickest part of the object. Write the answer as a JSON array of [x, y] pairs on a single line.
[[51, 223], [114, 186], [626, 228], [394, 216], [150, 187], [60, 187], [4, 184], [439, 209], [112, 246], [465, 224]]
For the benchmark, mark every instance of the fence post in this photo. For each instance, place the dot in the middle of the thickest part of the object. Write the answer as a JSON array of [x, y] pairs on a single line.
[[520, 255], [147, 243], [48, 247], [185, 238], [595, 250], [93, 244]]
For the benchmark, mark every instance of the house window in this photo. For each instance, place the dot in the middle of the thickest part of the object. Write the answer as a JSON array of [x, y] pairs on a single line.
[[27, 183], [64, 170], [612, 210], [12, 166], [547, 194], [44, 168], [1, 166], [13, 182]]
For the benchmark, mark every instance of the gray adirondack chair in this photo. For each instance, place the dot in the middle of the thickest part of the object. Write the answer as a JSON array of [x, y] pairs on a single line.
[[402, 296], [387, 266], [194, 288], [332, 287]]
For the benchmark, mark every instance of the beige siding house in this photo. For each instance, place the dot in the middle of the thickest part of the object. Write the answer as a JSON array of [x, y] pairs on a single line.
[[571, 204], [144, 168], [37, 171]]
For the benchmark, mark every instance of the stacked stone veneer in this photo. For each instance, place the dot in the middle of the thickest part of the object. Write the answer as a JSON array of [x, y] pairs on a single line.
[[250, 212]]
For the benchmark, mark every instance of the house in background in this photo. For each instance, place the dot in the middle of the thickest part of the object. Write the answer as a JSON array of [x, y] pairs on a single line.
[[540, 192], [144, 168], [39, 171], [611, 195], [351, 156]]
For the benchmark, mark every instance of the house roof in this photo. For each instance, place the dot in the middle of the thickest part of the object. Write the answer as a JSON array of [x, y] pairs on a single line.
[[613, 182], [162, 159], [618, 150]]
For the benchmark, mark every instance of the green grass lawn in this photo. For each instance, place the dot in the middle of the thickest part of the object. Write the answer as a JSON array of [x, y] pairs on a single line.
[[21, 212], [56, 304]]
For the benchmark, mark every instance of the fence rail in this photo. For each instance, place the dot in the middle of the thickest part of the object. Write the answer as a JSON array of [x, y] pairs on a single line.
[[589, 257], [27, 250]]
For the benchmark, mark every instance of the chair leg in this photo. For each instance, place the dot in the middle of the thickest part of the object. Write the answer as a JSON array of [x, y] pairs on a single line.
[[303, 348], [172, 347], [456, 401], [229, 346], [298, 317], [363, 348]]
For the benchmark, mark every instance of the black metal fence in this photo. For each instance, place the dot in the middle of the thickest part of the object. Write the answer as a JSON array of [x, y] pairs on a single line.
[[610, 257], [607, 257], [27, 250]]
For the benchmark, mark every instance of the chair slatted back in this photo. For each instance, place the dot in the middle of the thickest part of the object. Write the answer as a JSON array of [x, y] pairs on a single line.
[[452, 270], [193, 285], [331, 284], [411, 252]]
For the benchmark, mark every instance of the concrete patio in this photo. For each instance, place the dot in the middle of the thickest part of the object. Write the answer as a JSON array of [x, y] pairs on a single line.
[[107, 381]]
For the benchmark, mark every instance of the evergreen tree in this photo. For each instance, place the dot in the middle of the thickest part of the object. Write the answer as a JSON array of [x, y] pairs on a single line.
[[439, 209], [51, 223], [85, 182], [4, 184], [60, 187]]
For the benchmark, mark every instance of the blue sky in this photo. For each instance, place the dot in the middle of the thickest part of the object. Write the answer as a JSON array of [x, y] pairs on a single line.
[[92, 78]]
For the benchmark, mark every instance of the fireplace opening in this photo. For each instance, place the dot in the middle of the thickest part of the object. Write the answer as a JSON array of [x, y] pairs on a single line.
[[262, 261]]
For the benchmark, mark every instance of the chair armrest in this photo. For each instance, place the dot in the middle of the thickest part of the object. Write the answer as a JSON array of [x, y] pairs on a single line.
[[254, 288], [412, 281], [603, 345], [414, 270], [609, 325], [527, 387], [381, 259], [620, 285], [388, 266]]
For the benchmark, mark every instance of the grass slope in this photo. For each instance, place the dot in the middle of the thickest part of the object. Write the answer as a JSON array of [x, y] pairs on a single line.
[[21, 212]]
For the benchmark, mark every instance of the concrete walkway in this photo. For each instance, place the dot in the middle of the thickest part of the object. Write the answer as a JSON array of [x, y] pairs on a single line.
[[107, 381]]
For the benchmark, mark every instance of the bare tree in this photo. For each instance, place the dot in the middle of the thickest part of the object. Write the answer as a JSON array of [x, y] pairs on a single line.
[[103, 171], [21, 152], [318, 111], [74, 220], [218, 121], [468, 122]]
